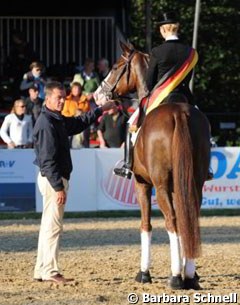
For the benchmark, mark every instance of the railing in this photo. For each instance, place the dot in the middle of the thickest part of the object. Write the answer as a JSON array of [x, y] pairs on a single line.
[[225, 128], [62, 40]]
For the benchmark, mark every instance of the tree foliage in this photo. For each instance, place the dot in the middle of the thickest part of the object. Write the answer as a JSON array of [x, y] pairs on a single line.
[[217, 74]]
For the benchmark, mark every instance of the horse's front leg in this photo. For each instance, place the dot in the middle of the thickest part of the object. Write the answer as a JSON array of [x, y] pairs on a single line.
[[144, 191]]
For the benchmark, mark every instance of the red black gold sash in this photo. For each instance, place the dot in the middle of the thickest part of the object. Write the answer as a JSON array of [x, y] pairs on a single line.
[[163, 88], [168, 83]]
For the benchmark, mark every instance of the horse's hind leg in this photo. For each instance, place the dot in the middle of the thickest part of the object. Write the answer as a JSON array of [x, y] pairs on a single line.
[[143, 191], [191, 279], [176, 260], [165, 205]]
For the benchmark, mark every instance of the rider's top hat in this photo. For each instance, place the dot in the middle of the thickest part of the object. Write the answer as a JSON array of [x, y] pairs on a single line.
[[168, 17]]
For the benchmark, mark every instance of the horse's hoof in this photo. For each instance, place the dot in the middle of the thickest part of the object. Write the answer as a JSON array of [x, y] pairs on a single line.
[[192, 283], [176, 282], [143, 277], [197, 276]]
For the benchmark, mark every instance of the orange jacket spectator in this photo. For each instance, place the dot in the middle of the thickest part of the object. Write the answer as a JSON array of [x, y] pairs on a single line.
[[76, 102]]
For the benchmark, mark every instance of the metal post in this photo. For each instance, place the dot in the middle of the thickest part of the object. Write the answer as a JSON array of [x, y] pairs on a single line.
[[195, 33], [148, 25]]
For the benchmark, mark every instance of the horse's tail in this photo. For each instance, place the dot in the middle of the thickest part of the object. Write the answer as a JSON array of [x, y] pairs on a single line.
[[186, 199]]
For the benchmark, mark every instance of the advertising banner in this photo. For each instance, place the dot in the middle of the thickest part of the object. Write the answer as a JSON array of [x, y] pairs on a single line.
[[224, 190], [93, 186], [17, 180]]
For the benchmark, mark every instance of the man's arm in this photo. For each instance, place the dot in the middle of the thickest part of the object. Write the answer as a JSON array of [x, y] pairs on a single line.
[[75, 125]]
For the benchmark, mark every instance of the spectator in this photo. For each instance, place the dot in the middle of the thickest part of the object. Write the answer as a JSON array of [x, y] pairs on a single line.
[[88, 78], [16, 129], [89, 81], [103, 68], [34, 77], [112, 128], [76, 104], [53, 158], [33, 103]]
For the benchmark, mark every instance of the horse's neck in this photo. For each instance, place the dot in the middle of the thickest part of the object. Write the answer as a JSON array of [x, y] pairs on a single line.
[[141, 84], [142, 91]]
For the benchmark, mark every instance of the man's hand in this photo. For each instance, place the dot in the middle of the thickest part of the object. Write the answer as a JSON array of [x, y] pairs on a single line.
[[102, 144], [61, 197], [11, 145]]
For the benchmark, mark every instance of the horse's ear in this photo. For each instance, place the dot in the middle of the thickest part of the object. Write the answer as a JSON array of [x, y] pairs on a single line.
[[122, 45], [130, 45], [126, 47]]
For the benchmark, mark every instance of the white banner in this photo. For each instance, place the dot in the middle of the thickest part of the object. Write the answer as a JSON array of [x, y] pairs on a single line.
[[94, 187], [224, 190], [82, 186], [16, 166], [221, 192], [113, 192]]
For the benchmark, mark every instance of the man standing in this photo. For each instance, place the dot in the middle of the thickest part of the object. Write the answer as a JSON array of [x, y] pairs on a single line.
[[103, 68], [50, 136], [33, 103], [112, 128]]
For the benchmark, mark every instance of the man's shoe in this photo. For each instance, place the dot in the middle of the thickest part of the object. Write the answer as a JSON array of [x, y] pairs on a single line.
[[123, 172], [58, 278]]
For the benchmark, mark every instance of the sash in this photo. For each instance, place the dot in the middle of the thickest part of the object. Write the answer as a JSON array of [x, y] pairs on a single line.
[[171, 80], [167, 83]]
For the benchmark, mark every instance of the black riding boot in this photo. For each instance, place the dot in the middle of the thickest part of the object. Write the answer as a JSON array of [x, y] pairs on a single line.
[[125, 171]]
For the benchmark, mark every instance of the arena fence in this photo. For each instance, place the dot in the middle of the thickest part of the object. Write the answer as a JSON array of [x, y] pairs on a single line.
[[100, 190], [225, 128]]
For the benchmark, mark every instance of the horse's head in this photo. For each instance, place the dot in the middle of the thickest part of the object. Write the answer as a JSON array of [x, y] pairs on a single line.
[[127, 75]]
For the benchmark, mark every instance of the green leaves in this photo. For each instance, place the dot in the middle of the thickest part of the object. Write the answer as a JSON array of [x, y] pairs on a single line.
[[217, 75]]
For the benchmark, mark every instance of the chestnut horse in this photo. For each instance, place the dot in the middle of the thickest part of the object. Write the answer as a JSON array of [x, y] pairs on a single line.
[[171, 154]]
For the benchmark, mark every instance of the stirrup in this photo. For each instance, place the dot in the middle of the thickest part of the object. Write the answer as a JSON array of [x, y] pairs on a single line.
[[123, 172]]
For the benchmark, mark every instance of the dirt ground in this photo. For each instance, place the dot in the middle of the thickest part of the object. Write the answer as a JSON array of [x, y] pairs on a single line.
[[103, 256]]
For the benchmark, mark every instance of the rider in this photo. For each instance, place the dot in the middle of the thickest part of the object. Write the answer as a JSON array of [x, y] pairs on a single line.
[[166, 60]]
